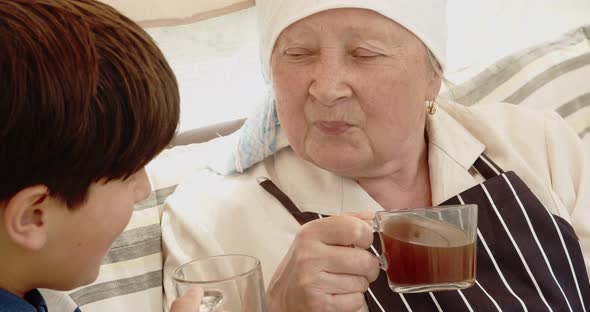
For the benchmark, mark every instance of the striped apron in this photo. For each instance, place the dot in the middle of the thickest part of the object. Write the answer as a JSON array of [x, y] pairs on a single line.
[[527, 258]]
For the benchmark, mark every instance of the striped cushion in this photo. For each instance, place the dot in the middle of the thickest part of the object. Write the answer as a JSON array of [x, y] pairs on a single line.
[[553, 75]]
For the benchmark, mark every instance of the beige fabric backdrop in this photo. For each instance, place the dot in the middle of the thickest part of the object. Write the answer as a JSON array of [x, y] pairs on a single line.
[[154, 13]]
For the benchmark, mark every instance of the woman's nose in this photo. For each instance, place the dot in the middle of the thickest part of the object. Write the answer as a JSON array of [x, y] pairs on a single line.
[[330, 82]]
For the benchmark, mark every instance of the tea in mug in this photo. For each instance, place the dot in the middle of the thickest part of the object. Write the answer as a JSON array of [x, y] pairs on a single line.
[[424, 254]]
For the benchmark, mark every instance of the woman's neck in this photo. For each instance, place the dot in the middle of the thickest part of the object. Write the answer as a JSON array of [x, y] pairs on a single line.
[[407, 187]]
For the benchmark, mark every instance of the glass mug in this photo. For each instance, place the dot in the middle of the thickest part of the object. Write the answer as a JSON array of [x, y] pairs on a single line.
[[428, 249], [231, 283]]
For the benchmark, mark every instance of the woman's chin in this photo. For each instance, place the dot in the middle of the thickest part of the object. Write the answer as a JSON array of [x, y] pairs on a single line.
[[339, 164], [339, 156]]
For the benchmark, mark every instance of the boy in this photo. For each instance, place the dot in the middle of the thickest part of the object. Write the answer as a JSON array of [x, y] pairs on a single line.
[[86, 100]]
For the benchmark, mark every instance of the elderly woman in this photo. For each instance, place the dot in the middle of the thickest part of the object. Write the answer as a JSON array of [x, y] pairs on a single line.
[[355, 126]]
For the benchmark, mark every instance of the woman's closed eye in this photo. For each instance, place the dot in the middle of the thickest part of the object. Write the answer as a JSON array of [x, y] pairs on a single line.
[[363, 53], [297, 52]]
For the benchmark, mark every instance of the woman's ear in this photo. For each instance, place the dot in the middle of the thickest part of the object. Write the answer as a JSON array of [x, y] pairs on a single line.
[[434, 76], [25, 215], [434, 85]]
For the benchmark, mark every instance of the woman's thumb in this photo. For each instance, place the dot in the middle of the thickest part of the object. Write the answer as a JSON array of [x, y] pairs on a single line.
[[363, 215]]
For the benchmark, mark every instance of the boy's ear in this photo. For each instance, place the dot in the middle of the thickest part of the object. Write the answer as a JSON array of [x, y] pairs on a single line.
[[25, 215]]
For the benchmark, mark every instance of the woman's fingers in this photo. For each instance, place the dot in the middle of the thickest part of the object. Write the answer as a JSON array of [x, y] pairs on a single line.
[[322, 270], [336, 270], [346, 302], [339, 284], [316, 302], [347, 260], [339, 231], [367, 216], [363, 215]]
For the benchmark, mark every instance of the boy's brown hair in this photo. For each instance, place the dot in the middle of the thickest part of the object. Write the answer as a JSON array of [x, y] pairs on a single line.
[[85, 94]]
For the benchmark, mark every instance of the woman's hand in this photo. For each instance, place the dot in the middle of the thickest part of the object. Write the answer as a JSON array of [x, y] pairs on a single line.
[[189, 302], [321, 271]]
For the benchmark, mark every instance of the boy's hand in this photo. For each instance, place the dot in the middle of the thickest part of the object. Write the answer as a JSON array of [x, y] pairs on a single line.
[[189, 302]]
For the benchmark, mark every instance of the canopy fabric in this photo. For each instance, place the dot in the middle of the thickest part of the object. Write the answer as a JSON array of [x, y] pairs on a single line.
[[155, 13]]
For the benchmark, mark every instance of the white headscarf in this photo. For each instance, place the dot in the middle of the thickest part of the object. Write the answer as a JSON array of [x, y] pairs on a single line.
[[425, 18], [259, 136]]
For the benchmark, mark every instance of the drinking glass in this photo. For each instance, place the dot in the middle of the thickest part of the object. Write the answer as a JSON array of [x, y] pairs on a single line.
[[428, 249], [231, 283]]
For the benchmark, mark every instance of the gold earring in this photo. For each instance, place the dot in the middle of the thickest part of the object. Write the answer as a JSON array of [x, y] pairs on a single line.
[[431, 107]]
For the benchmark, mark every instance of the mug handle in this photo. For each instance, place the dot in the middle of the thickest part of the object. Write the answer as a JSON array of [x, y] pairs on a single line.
[[382, 260]]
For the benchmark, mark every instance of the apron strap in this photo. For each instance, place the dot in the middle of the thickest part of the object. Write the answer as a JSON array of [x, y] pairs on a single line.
[[486, 167], [272, 189]]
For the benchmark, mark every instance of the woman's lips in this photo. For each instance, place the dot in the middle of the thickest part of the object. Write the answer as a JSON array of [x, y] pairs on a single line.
[[332, 127]]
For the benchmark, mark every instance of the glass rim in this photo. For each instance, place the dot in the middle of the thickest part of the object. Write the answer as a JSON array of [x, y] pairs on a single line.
[[422, 209], [255, 267]]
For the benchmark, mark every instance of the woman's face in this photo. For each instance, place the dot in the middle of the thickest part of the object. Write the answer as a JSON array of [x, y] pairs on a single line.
[[351, 86]]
